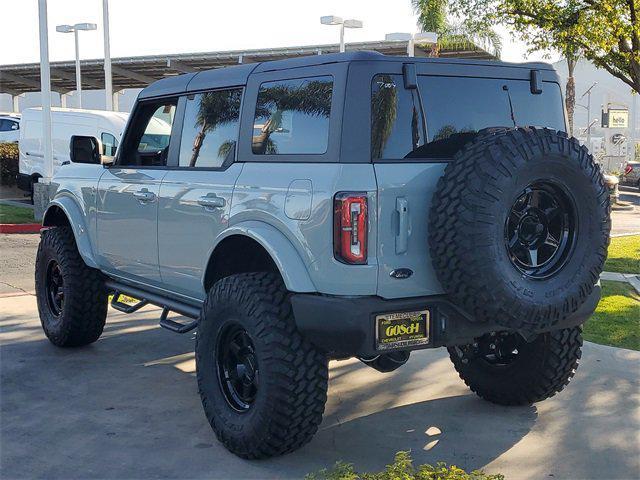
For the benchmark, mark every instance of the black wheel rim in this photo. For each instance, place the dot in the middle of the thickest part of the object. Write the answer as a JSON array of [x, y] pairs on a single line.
[[237, 367], [55, 288], [540, 230]]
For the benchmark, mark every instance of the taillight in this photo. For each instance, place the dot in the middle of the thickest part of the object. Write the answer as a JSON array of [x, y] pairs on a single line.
[[350, 227], [628, 169]]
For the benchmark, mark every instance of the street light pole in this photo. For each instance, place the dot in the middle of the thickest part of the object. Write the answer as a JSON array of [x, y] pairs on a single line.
[[108, 85], [412, 39], [78, 79], [45, 89], [589, 123], [75, 29], [333, 20]]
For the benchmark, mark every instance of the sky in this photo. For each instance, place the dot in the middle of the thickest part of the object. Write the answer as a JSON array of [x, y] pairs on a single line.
[[146, 27]]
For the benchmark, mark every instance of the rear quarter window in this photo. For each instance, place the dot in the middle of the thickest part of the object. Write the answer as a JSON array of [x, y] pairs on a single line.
[[292, 116]]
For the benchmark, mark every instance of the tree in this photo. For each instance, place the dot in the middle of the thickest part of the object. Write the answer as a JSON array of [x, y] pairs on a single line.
[[215, 109], [606, 32], [312, 98], [432, 17], [571, 57]]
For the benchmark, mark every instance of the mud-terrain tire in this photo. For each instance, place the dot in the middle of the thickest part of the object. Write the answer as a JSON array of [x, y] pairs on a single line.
[[494, 219], [247, 334], [76, 314], [540, 368]]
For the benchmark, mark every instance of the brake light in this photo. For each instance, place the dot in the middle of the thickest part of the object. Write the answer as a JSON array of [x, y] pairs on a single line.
[[628, 169], [350, 227]]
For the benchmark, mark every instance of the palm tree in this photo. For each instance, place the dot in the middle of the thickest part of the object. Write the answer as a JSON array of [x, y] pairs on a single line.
[[572, 56], [432, 17], [312, 98], [215, 109], [384, 110]]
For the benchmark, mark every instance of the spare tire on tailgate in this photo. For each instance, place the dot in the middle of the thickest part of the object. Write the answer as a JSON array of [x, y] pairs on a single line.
[[519, 227]]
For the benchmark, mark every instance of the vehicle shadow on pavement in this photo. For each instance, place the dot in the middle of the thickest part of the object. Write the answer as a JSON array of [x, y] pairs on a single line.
[[128, 407]]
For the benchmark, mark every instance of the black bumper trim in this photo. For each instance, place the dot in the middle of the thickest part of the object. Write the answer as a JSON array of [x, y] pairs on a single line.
[[344, 327]]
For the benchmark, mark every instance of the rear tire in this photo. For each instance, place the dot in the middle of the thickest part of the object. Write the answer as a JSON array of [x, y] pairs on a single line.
[[538, 370], [72, 299], [263, 386]]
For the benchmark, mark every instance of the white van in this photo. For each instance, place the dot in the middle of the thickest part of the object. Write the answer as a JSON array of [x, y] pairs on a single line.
[[9, 127], [65, 122]]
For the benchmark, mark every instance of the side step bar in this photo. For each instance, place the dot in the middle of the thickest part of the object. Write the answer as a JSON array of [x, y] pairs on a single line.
[[174, 326], [167, 305]]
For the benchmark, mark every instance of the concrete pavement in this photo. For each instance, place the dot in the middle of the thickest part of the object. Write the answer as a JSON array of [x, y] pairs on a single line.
[[127, 407], [17, 263], [627, 222]]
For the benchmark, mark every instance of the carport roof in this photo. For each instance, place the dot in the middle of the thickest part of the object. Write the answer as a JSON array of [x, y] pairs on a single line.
[[138, 72]]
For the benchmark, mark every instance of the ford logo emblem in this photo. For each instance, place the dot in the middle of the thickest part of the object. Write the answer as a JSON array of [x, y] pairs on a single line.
[[401, 273]]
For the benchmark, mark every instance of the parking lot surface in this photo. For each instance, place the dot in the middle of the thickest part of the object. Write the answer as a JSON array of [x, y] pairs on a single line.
[[128, 407]]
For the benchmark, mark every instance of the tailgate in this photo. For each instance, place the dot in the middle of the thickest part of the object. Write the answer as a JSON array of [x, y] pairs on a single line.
[[404, 200]]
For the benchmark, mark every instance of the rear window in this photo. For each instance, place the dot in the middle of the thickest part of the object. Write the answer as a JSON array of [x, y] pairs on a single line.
[[292, 116], [455, 108]]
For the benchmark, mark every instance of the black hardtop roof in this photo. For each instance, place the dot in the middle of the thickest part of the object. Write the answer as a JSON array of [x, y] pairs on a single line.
[[238, 75]]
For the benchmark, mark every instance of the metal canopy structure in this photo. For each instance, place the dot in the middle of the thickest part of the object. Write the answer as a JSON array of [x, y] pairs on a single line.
[[138, 72]]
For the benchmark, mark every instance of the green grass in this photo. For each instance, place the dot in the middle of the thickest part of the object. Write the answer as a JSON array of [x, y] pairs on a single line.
[[624, 255], [616, 321], [11, 214]]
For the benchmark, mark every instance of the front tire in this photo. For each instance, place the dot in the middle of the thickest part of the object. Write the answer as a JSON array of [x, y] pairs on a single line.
[[263, 386], [505, 369], [72, 299]]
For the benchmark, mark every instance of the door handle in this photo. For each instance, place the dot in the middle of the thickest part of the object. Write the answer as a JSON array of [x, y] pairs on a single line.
[[144, 196], [402, 239], [212, 201]]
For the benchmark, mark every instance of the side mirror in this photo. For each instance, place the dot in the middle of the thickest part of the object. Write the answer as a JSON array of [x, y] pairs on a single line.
[[85, 149]]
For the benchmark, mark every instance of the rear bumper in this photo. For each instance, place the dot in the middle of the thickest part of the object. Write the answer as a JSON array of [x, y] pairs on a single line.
[[345, 326]]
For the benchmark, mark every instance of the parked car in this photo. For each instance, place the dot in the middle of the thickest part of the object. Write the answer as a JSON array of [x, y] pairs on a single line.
[[631, 174], [65, 122], [9, 128], [336, 206]]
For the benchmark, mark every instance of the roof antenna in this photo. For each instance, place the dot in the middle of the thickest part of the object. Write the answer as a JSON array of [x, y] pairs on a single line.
[[513, 117]]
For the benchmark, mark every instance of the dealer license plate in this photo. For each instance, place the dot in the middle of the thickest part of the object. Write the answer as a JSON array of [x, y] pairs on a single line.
[[401, 330]]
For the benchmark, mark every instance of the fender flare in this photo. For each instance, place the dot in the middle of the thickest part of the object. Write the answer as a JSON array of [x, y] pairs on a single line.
[[292, 268], [76, 218]]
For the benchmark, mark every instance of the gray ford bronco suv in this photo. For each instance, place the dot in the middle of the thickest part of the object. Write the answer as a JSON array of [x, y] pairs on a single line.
[[335, 206]]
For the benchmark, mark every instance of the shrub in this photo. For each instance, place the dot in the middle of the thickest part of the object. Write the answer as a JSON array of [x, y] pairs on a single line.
[[8, 163], [402, 469]]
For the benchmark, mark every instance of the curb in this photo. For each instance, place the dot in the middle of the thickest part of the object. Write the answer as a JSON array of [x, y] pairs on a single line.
[[622, 207], [630, 278], [20, 227]]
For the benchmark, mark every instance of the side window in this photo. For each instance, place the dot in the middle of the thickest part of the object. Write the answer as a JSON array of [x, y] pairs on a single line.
[[397, 124], [147, 142], [292, 116], [109, 144], [4, 125], [210, 128]]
